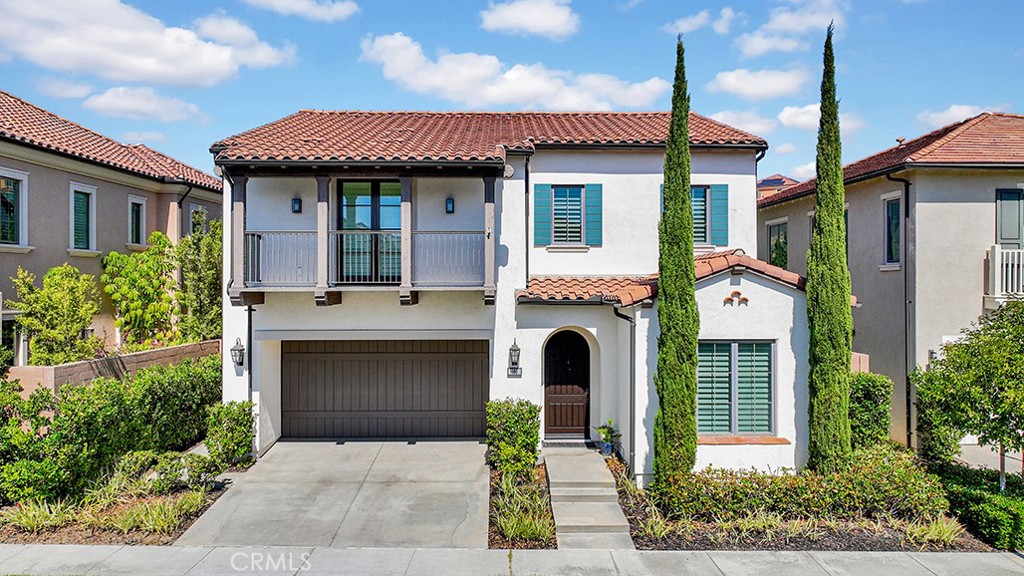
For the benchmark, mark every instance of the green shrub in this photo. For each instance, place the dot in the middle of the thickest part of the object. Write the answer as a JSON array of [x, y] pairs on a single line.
[[6, 359], [513, 432], [974, 498], [939, 438], [174, 400], [27, 480], [229, 433], [869, 409], [880, 482]]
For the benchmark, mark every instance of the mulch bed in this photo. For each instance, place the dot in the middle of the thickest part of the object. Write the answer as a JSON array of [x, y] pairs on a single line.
[[495, 539], [79, 534], [846, 536]]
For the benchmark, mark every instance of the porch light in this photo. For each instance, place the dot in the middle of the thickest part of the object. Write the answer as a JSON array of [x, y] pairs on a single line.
[[513, 360], [449, 206], [296, 205], [238, 352]]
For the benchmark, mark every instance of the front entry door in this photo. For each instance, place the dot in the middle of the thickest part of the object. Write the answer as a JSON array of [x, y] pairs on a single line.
[[566, 385]]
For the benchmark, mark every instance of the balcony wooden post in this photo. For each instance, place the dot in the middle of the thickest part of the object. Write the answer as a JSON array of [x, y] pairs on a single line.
[[321, 294], [235, 291], [406, 295], [490, 241]]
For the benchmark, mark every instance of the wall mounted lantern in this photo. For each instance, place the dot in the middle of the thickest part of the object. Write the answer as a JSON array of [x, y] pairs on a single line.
[[296, 205], [449, 206], [514, 370], [238, 352]]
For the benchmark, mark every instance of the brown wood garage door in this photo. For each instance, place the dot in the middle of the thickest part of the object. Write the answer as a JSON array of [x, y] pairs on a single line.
[[383, 388]]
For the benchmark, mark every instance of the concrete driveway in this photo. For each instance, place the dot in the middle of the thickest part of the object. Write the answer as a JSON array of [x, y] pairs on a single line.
[[417, 494]]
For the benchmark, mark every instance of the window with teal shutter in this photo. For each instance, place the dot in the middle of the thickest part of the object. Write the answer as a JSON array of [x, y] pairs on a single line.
[[541, 214], [714, 387], [754, 387], [699, 203], [719, 215], [594, 229], [10, 217], [81, 221]]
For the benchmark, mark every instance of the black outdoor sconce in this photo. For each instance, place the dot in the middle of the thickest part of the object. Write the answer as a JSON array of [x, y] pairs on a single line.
[[449, 206], [238, 352], [296, 205], [514, 370]]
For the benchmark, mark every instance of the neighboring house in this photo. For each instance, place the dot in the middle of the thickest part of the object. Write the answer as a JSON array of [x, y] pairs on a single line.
[[68, 194], [404, 268], [934, 235], [773, 184]]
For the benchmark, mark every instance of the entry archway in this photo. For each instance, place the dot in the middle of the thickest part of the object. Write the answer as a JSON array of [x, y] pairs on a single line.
[[566, 385]]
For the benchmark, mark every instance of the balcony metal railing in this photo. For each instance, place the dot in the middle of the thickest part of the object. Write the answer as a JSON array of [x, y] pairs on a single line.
[[1006, 272], [365, 257], [280, 258], [448, 258]]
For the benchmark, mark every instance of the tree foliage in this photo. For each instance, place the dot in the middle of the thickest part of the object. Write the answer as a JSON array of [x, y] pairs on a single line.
[[675, 424], [200, 293], [56, 314], [142, 288], [828, 293]]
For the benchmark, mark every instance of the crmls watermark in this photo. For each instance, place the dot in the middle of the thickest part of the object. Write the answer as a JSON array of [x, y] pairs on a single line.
[[269, 561]]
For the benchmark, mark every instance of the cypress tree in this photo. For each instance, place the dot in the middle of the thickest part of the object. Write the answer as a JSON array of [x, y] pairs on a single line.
[[828, 293], [675, 425]]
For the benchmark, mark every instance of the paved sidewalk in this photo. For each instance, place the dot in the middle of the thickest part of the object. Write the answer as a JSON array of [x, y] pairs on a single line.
[[199, 561]]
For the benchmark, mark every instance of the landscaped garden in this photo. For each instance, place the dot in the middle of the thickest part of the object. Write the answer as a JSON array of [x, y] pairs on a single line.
[[109, 462]]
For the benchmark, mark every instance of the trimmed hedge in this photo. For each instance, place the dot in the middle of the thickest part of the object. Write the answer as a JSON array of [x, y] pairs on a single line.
[[229, 433], [973, 493], [869, 409], [513, 432], [880, 482]]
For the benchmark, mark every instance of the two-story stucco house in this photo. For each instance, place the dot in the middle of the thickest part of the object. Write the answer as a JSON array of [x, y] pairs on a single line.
[[934, 235], [389, 272], [68, 194]]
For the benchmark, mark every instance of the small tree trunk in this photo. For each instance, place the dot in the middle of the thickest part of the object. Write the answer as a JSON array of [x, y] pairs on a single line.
[[1002, 468]]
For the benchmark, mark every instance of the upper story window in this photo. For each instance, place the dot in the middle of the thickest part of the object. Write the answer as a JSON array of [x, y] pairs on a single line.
[[735, 384], [699, 200], [1010, 218], [567, 214], [778, 243], [83, 217], [10, 210], [892, 230], [136, 220], [198, 218], [710, 205]]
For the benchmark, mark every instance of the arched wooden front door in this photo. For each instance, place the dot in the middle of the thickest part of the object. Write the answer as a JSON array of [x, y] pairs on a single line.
[[566, 385]]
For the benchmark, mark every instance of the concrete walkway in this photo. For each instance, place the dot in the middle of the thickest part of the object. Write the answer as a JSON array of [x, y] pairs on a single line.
[[584, 501], [422, 494], [199, 561]]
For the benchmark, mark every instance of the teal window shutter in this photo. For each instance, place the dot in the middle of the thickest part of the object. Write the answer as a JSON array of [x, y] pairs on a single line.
[[699, 206], [719, 214], [754, 387], [662, 198], [1010, 218], [81, 211], [714, 387], [593, 228], [541, 214]]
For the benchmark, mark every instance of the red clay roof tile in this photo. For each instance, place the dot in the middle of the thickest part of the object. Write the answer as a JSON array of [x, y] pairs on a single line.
[[29, 124], [484, 137]]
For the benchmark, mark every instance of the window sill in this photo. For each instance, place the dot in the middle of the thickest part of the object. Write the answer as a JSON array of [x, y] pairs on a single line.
[[16, 248], [83, 253], [741, 440], [889, 267], [137, 247], [568, 248]]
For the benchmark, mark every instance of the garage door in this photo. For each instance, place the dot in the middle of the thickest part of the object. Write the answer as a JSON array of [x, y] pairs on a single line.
[[383, 388]]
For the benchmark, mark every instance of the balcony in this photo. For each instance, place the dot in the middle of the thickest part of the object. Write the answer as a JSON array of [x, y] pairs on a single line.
[[1005, 276]]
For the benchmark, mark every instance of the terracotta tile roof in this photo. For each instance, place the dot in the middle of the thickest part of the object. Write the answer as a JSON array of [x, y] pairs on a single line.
[[989, 138], [631, 290], [354, 136], [28, 124]]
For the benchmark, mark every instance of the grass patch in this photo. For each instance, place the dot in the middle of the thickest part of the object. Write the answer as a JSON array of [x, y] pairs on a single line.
[[35, 516]]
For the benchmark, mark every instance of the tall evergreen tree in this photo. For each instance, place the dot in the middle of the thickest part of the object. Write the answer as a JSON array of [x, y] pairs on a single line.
[[675, 425], [828, 292]]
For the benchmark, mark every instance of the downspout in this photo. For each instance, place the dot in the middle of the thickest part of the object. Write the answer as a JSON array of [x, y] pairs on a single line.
[[906, 305], [248, 348], [526, 220], [632, 385]]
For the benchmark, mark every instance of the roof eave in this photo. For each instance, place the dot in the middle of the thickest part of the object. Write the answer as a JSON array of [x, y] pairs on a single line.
[[229, 162]]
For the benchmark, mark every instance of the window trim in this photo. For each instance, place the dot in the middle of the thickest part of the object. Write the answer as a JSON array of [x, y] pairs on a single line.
[[734, 388], [768, 225], [583, 218], [74, 187], [134, 199], [22, 177], [894, 196]]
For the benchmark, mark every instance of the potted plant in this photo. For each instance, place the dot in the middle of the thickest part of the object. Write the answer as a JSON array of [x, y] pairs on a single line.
[[609, 436]]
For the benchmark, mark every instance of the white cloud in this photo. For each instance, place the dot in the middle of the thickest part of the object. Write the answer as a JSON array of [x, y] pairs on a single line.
[[955, 113], [724, 22], [785, 148], [689, 24], [759, 84], [789, 25], [552, 19], [138, 137], [320, 11], [118, 42], [60, 88], [804, 171], [807, 117], [748, 120], [630, 4], [142, 103], [481, 80]]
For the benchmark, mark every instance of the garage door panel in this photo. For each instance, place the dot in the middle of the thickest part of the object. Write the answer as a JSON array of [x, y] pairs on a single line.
[[352, 389]]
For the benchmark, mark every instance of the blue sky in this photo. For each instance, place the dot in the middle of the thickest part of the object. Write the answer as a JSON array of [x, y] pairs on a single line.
[[180, 75]]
